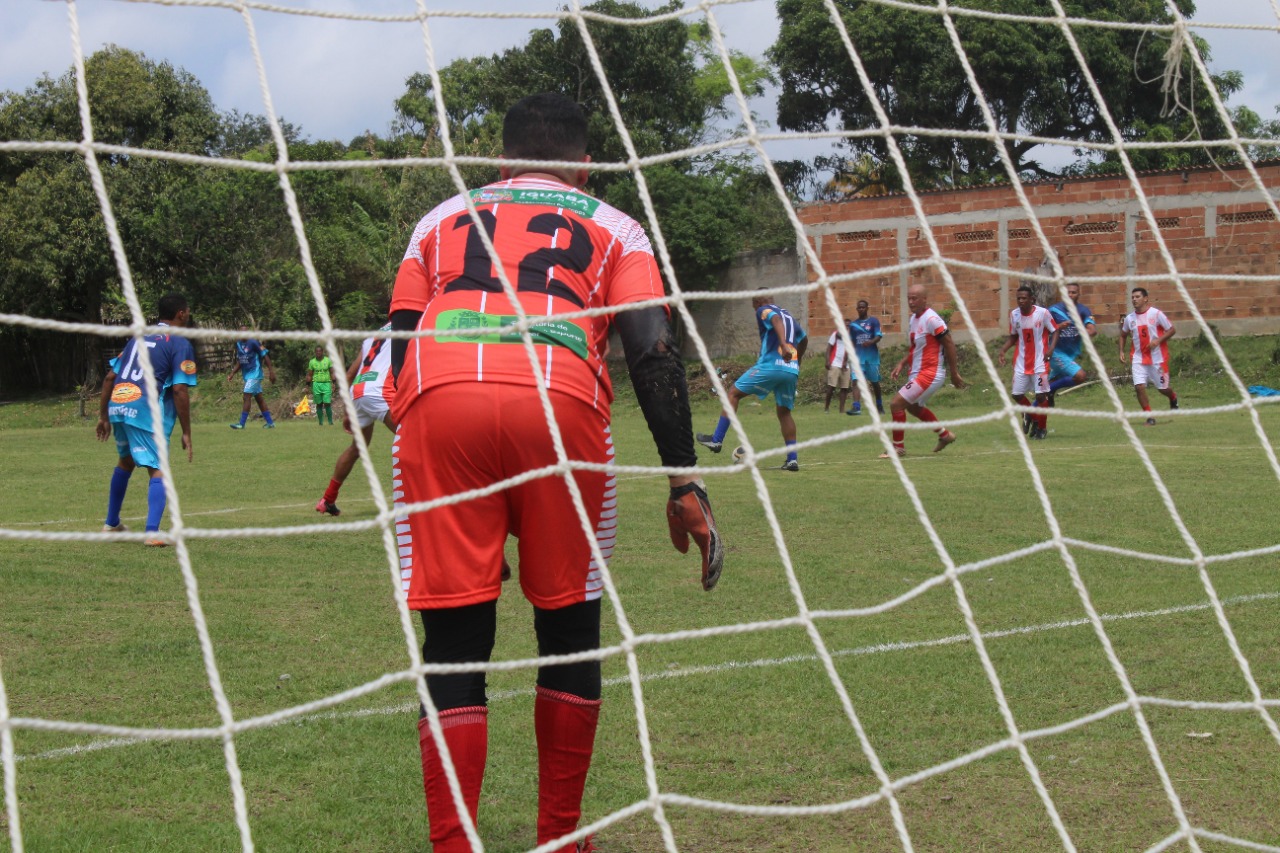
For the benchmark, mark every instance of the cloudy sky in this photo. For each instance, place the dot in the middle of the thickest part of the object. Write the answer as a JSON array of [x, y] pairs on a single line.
[[337, 78]]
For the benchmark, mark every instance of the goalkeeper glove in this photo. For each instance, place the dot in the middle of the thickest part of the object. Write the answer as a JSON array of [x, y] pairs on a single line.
[[689, 514]]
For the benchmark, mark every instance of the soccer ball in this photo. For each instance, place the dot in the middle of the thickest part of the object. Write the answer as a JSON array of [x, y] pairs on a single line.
[[739, 453]]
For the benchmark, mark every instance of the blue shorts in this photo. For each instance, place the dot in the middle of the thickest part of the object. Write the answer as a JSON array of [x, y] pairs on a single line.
[[253, 386], [765, 379], [1061, 367], [870, 369], [136, 444]]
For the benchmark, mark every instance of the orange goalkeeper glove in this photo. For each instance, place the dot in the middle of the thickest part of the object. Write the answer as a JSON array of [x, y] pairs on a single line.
[[689, 514]]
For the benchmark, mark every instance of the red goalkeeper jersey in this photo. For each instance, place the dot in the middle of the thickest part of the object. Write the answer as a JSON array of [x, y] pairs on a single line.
[[561, 249]]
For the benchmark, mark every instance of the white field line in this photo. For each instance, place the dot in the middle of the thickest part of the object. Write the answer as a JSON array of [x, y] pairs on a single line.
[[713, 669]]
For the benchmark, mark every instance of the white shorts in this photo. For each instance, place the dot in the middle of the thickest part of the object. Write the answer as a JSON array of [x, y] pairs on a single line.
[[1030, 383], [838, 377], [371, 410], [917, 392], [1151, 374]]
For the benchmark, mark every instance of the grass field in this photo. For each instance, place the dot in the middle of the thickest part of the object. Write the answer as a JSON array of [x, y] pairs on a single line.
[[102, 633]]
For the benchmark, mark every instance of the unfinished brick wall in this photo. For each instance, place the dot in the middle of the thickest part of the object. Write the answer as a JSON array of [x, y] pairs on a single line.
[[1214, 222]]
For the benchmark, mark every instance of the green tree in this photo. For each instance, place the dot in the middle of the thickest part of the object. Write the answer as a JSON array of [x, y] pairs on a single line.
[[1027, 72], [673, 92]]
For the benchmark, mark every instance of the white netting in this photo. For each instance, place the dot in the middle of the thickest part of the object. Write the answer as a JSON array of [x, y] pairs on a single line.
[[823, 284]]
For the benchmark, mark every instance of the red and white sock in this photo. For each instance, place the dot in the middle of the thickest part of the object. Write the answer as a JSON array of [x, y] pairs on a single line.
[[929, 417], [466, 731], [566, 729]]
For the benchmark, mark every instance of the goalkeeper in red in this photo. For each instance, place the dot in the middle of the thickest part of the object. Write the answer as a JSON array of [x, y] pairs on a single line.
[[470, 416]]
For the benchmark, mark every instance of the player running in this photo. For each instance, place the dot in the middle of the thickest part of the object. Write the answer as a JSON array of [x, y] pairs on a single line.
[[470, 417], [866, 334], [1064, 366], [782, 345], [251, 357], [1033, 332], [1150, 331], [371, 394], [931, 354], [125, 412]]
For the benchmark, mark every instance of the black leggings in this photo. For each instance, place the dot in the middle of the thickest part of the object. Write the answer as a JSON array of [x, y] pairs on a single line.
[[466, 635]]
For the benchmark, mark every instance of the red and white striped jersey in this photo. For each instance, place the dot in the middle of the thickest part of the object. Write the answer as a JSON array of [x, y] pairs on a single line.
[[562, 250], [835, 347], [1033, 332], [1145, 328], [375, 370], [924, 332]]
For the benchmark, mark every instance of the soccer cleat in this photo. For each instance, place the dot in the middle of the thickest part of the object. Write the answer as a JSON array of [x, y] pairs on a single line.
[[119, 528], [897, 451], [323, 505], [237, 426], [854, 412], [155, 543], [269, 426], [791, 465], [1038, 434], [1173, 404], [1151, 421], [709, 442], [585, 846], [943, 440]]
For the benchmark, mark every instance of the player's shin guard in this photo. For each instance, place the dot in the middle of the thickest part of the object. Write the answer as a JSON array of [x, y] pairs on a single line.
[[899, 435], [929, 417], [115, 497], [566, 730], [466, 731], [331, 493], [156, 500]]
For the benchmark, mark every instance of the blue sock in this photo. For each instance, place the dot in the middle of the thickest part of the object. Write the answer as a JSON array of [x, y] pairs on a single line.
[[155, 503], [266, 416], [115, 497], [791, 453], [857, 407], [722, 428], [244, 416], [1058, 385]]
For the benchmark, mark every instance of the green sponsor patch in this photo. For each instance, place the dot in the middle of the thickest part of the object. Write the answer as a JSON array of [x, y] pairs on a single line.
[[471, 327], [584, 205], [368, 376]]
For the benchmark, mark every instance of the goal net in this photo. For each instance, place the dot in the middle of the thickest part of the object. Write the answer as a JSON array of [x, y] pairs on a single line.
[[994, 714]]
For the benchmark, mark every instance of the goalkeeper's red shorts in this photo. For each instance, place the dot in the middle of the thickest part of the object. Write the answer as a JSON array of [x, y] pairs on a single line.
[[470, 435]]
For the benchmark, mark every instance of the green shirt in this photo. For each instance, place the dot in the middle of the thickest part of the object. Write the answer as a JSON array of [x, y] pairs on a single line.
[[319, 368]]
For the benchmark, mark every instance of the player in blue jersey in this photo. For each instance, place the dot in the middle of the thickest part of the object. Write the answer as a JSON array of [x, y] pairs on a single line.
[[125, 412], [866, 335], [251, 357], [1064, 367], [782, 345]]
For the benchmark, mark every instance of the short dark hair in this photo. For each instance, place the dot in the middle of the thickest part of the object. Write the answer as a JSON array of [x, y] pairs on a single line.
[[1026, 288], [546, 126], [170, 304], [1141, 290]]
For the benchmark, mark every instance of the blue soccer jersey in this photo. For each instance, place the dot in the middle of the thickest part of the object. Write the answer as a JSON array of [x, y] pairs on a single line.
[[174, 363], [866, 335], [250, 354], [1068, 335], [769, 336]]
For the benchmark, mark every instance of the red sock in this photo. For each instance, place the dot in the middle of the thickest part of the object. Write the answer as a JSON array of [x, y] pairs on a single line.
[[1042, 420], [466, 730], [930, 418], [899, 435], [1146, 408], [331, 493], [566, 731]]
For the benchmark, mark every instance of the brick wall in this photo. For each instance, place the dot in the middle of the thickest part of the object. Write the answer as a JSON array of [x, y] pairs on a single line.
[[1214, 222]]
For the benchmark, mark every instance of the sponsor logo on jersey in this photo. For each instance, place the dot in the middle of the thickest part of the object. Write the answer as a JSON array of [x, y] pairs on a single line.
[[188, 367], [125, 392], [490, 196]]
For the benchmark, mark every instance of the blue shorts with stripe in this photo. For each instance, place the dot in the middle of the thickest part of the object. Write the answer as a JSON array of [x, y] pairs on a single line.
[[1061, 367], [763, 379], [136, 444]]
